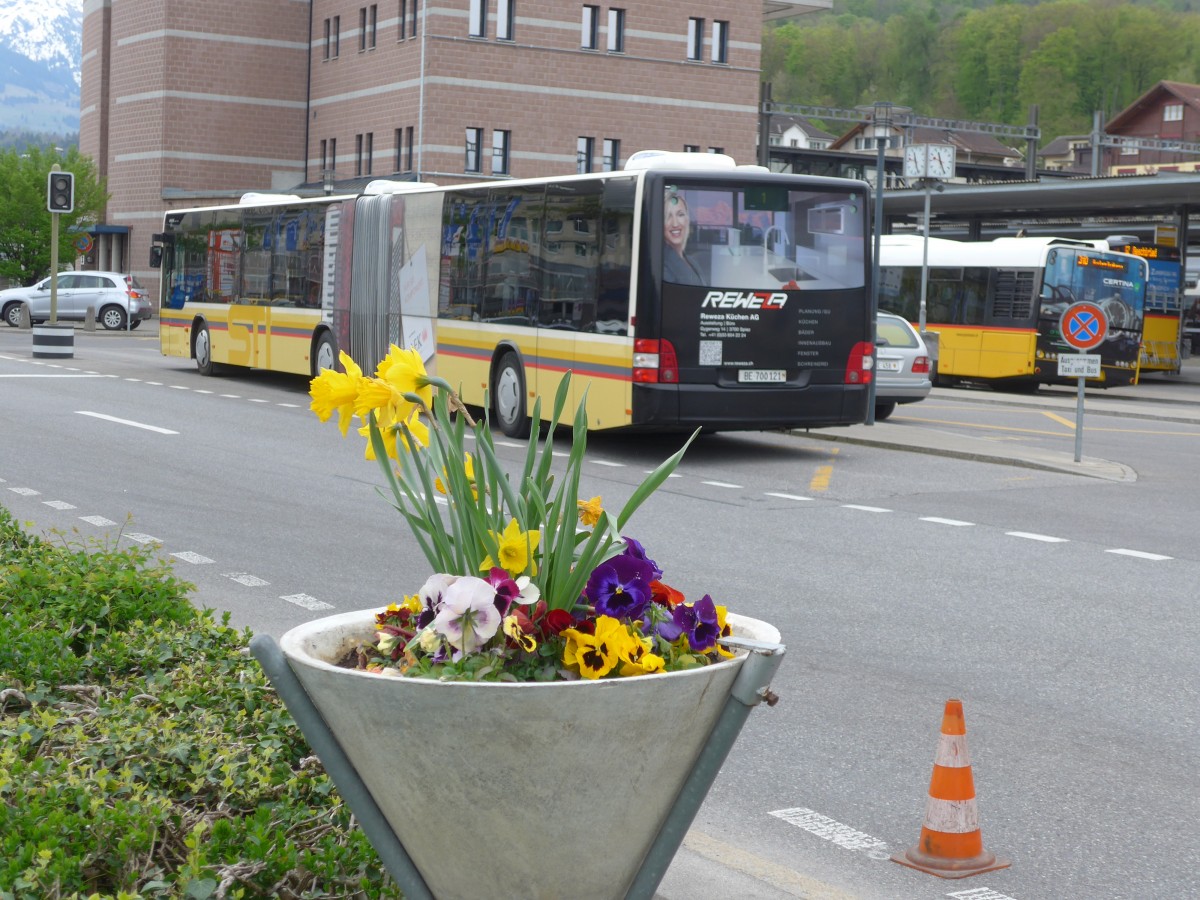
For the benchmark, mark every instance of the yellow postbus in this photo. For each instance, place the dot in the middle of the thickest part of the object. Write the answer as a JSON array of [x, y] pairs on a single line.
[[682, 291], [995, 306], [1162, 330]]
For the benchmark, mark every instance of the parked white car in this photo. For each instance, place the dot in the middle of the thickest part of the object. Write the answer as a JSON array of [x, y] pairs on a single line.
[[902, 365], [117, 300]]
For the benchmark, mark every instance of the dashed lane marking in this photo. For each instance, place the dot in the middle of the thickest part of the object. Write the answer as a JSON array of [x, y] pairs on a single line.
[[25, 492], [833, 831], [607, 462], [130, 422], [981, 893], [878, 509], [787, 496], [307, 602], [193, 558], [245, 578], [940, 521], [59, 504], [1139, 554], [1030, 536], [722, 484], [98, 521], [142, 538]]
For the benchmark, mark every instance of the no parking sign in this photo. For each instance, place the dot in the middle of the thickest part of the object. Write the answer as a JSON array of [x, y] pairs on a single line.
[[1083, 325]]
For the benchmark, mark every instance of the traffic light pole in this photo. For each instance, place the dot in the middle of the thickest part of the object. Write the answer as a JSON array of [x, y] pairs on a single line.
[[54, 268]]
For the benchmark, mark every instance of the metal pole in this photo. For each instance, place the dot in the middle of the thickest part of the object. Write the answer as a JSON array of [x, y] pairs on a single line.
[[880, 144], [925, 259], [1079, 421]]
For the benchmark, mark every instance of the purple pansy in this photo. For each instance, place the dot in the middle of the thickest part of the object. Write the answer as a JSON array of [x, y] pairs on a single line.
[[635, 549], [620, 587], [698, 622]]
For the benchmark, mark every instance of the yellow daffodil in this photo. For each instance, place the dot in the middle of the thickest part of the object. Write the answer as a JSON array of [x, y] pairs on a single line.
[[595, 655], [332, 390], [589, 511], [468, 469], [516, 550], [404, 372]]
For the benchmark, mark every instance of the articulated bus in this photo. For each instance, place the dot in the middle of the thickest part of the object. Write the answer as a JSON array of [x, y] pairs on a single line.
[[995, 305], [1162, 329], [683, 291]]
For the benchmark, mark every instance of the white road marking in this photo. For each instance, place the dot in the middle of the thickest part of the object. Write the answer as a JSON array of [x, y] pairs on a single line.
[[864, 508], [193, 558], [607, 462], [98, 521], [25, 492], [231, 396], [142, 538], [307, 602], [178, 387], [833, 831], [1139, 554], [981, 893], [245, 578], [289, 405], [258, 400], [786, 496], [59, 504], [939, 521], [722, 484], [47, 375], [202, 391], [1046, 538], [155, 428]]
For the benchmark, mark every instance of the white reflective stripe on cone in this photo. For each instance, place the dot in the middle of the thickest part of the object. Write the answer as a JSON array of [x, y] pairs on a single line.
[[952, 816], [952, 752]]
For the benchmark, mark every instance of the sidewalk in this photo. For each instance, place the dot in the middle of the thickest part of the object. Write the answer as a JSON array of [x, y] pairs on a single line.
[[1174, 398]]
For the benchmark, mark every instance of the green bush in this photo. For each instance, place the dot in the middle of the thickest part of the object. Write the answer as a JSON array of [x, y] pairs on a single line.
[[143, 754]]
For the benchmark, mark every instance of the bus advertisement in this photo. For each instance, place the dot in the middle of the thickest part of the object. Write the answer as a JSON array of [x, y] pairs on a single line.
[[682, 292], [995, 305], [1161, 332]]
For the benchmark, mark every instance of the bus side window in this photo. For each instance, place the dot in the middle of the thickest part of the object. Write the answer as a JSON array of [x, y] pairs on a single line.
[[616, 257], [571, 257]]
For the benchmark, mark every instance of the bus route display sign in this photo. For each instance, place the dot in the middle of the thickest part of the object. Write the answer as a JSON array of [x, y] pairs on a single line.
[[1083, 325]]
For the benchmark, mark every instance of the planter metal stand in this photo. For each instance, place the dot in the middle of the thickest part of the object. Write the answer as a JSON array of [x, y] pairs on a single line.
[[749, 689]]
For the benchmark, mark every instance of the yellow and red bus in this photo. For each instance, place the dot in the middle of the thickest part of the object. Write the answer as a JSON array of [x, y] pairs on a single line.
[[995, 305], [1162, 329], [682, 291]]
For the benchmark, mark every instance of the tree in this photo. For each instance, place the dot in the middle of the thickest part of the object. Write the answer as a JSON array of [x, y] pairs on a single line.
[[24, 219]]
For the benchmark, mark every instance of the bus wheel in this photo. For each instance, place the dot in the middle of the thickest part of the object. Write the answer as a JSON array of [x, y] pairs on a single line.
[[508, 397], [204, 363], [323, 356], [883, 410]]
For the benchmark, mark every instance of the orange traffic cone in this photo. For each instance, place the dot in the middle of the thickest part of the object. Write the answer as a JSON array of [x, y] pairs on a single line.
[[950, 845]]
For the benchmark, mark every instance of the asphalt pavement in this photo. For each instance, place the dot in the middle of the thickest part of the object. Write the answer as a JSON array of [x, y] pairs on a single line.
[[706, 868]]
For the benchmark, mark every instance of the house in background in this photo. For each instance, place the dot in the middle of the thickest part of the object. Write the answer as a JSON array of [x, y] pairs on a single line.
[[798, 134], [1169, 111], [976, 150], [186, 105]]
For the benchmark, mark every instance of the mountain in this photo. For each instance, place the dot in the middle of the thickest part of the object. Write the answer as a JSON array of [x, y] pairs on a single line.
[[39, 65]]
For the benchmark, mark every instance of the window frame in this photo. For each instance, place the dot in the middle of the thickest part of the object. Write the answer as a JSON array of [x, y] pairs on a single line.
[[695, 39], [585, 154], [615, 41], [506, 19], [589, 29], [473, 148], [719, 49], [477, 19], [502, 151], [610, 157], [1173, 112]]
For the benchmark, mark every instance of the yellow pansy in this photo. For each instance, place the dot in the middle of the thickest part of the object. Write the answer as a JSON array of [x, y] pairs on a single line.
[[516, 550], [636, 658], [595, 655], [512, 628]]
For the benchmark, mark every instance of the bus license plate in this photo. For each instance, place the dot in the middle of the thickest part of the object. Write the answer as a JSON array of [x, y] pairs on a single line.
[[757, 376]]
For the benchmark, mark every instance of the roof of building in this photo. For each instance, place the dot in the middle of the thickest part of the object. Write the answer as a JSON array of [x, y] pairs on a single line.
[[967, 144], [1188, 94], [780, 124]]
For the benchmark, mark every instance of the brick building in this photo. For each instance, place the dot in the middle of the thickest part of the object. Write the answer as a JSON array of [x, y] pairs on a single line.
[[190, 104]]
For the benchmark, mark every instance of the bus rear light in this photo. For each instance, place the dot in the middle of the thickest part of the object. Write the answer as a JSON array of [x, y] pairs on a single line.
[[921, 365], [860, 363], [655, 362]]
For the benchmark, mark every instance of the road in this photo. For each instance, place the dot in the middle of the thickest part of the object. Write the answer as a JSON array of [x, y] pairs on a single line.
[[1057, 600]]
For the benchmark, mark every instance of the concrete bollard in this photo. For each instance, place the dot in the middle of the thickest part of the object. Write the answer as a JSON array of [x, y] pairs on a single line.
[[89, 319], [26, 322]]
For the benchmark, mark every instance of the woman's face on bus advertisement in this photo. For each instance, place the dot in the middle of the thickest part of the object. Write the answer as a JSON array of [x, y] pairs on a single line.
[[675, 222]]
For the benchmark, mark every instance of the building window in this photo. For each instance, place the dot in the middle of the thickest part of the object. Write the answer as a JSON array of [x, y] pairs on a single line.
[[370, 153], [720, 42], [333, 30], [589, 38], [716, 149], [408, 19], [1173, 112], [367, 17], [404, 149], [327, 25], [477, 23], [358, 155], [585, 149], [328, 155], [695, 39], [1129, 147], [616, 30], [505, 16], [474, 139], [611, 161], [691, 148], [500, 141], [324, 157]]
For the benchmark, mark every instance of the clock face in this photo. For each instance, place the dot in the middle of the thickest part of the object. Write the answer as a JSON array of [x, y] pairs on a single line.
[[941, 162], [914, 162]]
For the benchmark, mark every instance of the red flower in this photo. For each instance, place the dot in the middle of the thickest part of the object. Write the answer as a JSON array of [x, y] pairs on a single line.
[[665, 595]]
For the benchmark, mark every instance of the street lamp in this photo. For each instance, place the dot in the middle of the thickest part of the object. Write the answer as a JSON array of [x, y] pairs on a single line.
[[882, 114]]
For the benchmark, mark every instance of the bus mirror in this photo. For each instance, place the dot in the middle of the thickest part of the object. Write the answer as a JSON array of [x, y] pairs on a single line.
[[155, 257]]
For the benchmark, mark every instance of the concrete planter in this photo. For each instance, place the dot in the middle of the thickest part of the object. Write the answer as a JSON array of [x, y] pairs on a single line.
[[554, 790], [55, 341]]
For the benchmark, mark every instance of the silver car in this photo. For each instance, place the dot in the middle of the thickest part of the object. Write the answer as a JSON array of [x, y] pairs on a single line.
[[118, 301], [902, 365]]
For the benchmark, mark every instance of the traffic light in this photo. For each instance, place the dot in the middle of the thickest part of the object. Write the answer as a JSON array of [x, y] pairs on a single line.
[[60, 192]]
